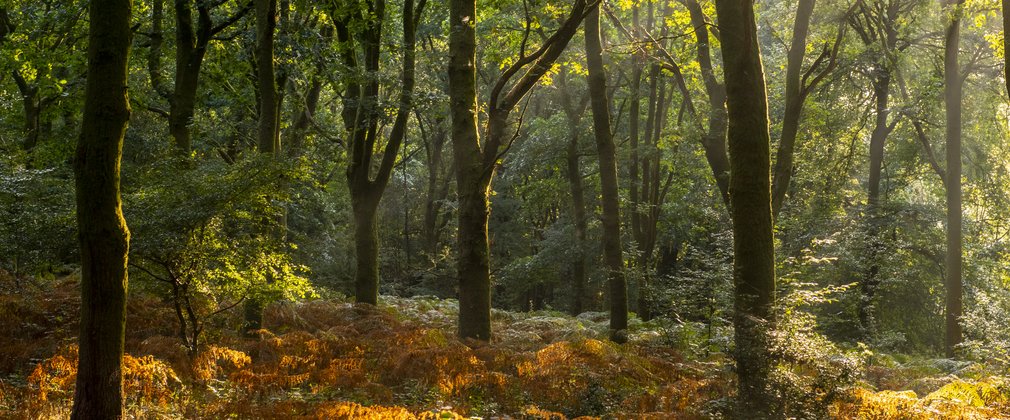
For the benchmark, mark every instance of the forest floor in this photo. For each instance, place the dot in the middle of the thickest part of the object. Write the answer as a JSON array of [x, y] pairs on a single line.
[[329, 358]]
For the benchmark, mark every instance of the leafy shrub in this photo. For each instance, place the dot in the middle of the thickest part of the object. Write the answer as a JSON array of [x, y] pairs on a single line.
[[811, 372], [208, 237]]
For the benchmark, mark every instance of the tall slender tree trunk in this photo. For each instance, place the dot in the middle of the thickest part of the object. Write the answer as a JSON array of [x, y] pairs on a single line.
[[878, 139], [574, 112], [579, 220], [714, 140], [750, 198], [361, 116], [33, 111], [472, 180], [190, 49], [189, 55], [296, 135], [1006, 44], [104, 237], [794, 105], [266, 130], [155, 50], [607, 151], [952, 100], [436, 190]]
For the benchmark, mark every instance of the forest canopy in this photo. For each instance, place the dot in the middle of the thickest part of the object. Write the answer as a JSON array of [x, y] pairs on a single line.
[[509, 208]]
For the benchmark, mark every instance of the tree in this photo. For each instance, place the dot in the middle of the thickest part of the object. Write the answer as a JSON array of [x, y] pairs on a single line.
[[573, 115], [877, 25], [714, 139], [475, 162], [952, 100], [1006, 44], [104, 237], [474, 265], [610, 199], [268, 131], [43, 63], [267, 128], [750, 202], [362, 114], [190, 49], [799, 84]]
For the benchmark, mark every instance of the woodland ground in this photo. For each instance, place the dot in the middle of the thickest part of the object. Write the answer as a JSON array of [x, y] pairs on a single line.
[[330, 358]]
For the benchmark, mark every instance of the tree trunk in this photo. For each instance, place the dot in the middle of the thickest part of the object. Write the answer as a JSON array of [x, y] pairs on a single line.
[[952, 101], [361, 115], [750, 197], [472, 180], [576, 188], [104, 237], [266, 21], [1006, 44], [189, 53], [473, 189], [190, 49], [266, 129], [366, 250], [607, 151], [714, 141], [155, 51], [436, 190], [878, 139], [295, 141], [794, 105], [579, 220], [33, 110]]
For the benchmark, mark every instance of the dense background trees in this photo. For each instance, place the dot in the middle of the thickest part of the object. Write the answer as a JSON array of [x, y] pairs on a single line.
[[538, 156]]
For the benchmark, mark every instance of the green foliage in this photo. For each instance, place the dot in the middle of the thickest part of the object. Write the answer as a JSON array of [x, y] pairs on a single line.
[[810, 371], [38, 228], [213, 234]]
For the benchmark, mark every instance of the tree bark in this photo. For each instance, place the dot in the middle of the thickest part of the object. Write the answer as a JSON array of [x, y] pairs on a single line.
[[104, 237], [795, 97], [714, 140], [750, 198], [952, 101], [361, 117], [33, 110], [574, 112], [266, 20], [476, 165], [267, 133], [607, 151], [155, 50], [878, 139], [190, 49], [437, 188], [1006, 44]]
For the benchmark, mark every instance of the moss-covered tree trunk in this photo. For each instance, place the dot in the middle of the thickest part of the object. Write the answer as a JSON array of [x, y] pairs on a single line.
[[1006, 44], [266, 130], [104, 237], [750, 202], [573, 113], [952, 100], [476, 163], [267, 133], [190, 49], [795, 97], [361, 118], [607, 152], [714, 140], [473, 184]]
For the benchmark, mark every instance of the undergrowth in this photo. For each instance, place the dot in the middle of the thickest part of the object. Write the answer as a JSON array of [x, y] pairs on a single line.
[[330, 358]]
